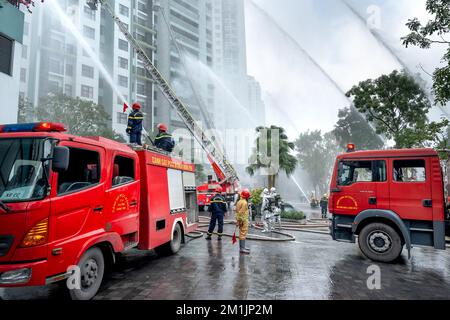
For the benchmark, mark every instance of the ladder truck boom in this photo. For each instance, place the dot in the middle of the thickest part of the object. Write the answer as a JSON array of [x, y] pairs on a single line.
[[220, 163]]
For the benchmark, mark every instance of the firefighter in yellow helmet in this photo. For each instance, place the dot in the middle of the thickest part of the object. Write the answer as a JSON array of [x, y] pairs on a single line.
[[242, 220]]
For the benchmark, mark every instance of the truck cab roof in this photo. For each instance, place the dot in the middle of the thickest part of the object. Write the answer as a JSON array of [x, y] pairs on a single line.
[[398, 153]]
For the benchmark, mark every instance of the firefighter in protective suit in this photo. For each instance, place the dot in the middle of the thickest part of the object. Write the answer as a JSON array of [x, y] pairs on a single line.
[[266, 210], [134, 128], [164, 139], [218, 209], [276, 210], [242, 220]]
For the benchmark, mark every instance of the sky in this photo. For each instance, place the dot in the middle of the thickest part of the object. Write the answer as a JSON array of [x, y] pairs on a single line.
[[306, 53]]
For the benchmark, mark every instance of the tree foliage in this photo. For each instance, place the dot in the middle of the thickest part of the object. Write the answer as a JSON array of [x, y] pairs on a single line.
[[353, 128], [398, 108], [316, 153], [263, 150], [433, 33], [25, 110], [82, 118]]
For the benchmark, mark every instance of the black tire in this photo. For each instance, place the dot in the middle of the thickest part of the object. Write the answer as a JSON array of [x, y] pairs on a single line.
[[380, 242], [201, 208], [92, 268], [174, 245]]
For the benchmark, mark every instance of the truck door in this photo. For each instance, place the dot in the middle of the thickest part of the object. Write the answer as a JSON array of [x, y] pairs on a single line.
[[77, 204], [122, 210], [360, 185], [410, 190]]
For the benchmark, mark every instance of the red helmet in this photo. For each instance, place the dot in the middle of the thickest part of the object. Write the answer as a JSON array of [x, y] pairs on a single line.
[[136, 106], [245, 194], [162, 127], [219, 189]]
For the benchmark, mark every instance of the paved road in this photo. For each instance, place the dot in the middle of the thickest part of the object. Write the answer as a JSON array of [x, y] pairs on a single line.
[[313, 267]]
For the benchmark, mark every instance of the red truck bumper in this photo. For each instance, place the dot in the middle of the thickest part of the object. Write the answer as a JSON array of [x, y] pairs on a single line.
[[23, 274]]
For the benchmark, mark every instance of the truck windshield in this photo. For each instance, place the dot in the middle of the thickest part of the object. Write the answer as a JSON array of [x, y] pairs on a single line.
[[22, 176]]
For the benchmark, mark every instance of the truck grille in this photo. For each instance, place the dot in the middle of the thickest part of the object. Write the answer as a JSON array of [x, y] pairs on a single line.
[[5, 244]]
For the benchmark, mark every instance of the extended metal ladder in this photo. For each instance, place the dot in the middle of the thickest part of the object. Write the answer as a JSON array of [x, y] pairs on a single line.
[[215, 155]]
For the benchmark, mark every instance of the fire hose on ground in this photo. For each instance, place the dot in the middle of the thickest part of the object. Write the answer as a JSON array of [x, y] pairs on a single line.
[[291, 226]]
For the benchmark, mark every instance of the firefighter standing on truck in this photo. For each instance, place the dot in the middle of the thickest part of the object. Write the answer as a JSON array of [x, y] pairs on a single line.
[[134, 128], [164, 139], [218, 209], [242, 220]]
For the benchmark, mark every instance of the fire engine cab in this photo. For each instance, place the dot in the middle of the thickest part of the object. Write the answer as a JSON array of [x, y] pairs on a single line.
[[68, 201], [389, 199]]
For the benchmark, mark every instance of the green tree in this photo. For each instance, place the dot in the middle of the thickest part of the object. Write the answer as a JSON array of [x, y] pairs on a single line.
[[272, 153], [82, 118], [316, 153], [25, 111], [397, 107], [353, 128], [432, 33]]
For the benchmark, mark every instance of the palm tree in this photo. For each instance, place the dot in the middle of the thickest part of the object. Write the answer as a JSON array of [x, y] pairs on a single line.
[[262, 157]]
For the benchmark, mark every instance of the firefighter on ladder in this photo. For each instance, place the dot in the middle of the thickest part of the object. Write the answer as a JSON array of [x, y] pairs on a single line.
[[134, 128], [218, 209], [164, 140], [242, 220]]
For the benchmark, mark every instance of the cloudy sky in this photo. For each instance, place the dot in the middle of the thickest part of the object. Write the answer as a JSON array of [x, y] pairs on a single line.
[[305, 53]]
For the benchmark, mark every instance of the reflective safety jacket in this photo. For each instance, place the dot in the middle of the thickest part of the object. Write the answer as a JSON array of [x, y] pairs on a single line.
[[218, 205], [164, 141], [135, 119]]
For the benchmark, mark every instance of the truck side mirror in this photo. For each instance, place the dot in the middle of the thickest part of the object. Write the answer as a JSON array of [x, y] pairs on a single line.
[[60, 161]]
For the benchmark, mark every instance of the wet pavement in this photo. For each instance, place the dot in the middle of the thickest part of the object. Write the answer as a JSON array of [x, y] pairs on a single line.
[[313, 267]]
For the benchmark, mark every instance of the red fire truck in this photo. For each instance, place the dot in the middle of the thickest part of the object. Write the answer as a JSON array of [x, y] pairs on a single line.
[[389, 199], [71, 201]]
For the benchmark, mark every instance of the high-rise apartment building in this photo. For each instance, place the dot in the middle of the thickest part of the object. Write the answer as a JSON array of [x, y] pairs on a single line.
[[54, 61], [11, 38], [189, 23]]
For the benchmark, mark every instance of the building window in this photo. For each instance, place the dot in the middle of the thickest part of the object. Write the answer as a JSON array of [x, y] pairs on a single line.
[[53, 86], [68, 90], [123, 63], [122, 118], [89, 32], [141, 89], [87, 71], [123, 81], [24, 52], [123, 45], [69, 70], [90, 14], [23, 75], [124, 10], [55, 66], [6, 47], [87, 92]]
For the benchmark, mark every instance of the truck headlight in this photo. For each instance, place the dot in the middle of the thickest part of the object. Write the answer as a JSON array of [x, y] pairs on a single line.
[[15, 276]]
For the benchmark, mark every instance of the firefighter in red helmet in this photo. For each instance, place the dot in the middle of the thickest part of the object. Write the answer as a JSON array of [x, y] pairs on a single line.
[[164, 139], [242, 220], [134, 128]]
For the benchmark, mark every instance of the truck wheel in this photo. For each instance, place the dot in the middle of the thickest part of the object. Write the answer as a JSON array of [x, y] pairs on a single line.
[[380, 242], [174, 245], [201, 208], [92, 269]]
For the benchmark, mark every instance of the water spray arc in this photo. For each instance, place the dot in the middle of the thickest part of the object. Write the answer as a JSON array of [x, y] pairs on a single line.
[[379, 38], [69, 25]]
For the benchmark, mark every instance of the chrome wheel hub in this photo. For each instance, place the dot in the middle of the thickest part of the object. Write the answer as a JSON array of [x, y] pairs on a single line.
[[89, 274], [379, 241]]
